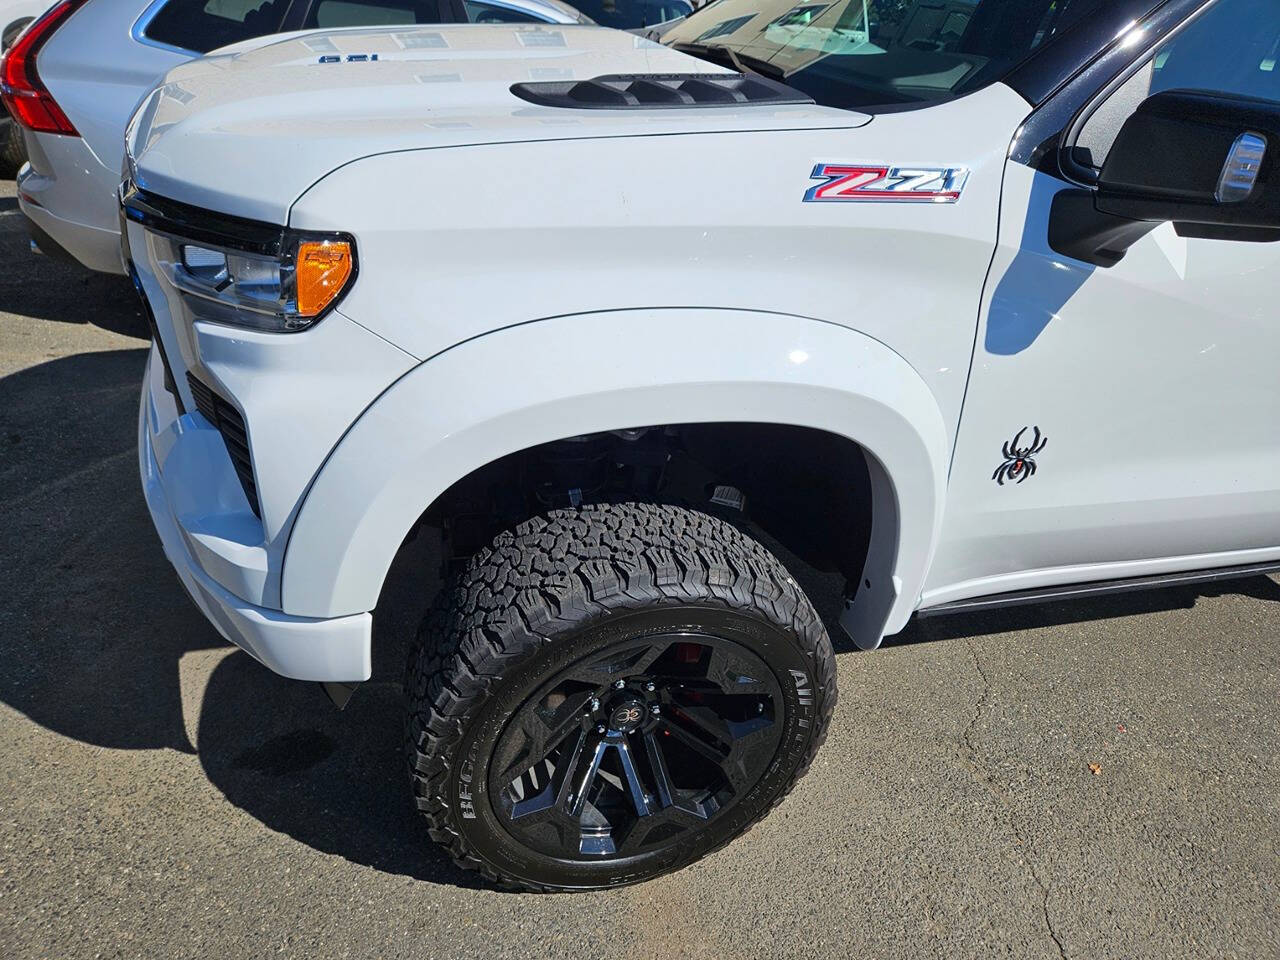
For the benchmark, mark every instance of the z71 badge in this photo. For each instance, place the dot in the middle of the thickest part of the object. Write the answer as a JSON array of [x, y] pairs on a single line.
[[861, 182]]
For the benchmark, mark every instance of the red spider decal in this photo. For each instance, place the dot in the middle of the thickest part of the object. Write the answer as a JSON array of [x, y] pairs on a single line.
[[1018, 461]]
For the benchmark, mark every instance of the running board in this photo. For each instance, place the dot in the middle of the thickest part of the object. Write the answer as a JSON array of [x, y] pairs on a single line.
[[1099, 588]]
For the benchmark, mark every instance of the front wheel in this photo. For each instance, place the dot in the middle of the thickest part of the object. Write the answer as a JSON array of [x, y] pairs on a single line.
[[610, 693]]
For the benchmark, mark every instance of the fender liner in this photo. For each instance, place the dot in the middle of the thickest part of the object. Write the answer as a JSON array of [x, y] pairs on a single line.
[[564, 376]]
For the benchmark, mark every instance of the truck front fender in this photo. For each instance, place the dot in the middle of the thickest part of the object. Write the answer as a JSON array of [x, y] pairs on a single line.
[[560, 377]]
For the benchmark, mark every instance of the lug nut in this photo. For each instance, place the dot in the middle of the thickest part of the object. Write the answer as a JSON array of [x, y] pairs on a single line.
[[759, 708], [600, 729], [595, 704], [619, 684], [655, 709], [649, 687]]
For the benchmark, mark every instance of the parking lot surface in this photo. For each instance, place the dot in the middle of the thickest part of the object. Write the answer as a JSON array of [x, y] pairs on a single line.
[[1089, 780]]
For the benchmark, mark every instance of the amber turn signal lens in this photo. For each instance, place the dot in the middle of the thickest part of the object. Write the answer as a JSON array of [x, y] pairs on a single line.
[[322, 270]]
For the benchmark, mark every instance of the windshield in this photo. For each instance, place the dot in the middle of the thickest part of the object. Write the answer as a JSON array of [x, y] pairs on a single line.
[[864, 53]]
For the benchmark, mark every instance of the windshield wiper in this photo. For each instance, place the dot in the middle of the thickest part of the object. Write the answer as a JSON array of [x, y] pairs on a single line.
[[726, 56]]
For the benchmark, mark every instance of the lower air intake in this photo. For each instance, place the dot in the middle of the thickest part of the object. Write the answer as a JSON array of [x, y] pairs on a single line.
[[621, 91], [230, 424]]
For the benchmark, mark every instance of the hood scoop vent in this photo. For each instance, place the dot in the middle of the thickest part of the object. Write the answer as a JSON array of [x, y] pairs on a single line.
[[621, 91]]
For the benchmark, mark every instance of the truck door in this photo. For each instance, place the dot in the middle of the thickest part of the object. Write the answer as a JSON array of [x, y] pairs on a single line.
[[1122, 420]]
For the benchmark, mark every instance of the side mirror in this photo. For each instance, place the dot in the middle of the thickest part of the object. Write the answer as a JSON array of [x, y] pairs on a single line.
[[1207, 162]]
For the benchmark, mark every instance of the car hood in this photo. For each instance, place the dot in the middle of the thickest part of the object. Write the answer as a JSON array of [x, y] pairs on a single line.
[[247, 131]]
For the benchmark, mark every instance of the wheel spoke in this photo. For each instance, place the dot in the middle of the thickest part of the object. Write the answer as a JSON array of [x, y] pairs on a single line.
[[580, 774], [708, 750], [619, 665], [639, 796], [658, 764], [709, 724], [711, 715], [733, 675], [754, 740], [644, 828], [735, 770], [542, 736]]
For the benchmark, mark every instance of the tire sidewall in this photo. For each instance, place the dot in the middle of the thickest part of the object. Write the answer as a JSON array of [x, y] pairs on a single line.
[[468, 789]]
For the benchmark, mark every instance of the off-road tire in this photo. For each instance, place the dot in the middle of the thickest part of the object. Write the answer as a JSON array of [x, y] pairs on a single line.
[[553, 587]]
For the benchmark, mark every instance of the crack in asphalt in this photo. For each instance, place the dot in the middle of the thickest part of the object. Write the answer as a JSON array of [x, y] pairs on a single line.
[[1048, 920], [983, 776]]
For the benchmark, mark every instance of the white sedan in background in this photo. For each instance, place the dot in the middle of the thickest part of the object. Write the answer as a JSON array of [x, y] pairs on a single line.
[[73, 79]]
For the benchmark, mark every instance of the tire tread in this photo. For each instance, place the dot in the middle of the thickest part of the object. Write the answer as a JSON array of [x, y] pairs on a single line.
[[558, 572]]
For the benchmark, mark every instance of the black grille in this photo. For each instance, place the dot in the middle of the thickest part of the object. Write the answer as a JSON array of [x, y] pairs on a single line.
[[230, 424], [619, 91]]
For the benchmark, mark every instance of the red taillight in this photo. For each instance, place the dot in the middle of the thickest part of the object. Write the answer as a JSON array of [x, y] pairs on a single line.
[[26, 97]]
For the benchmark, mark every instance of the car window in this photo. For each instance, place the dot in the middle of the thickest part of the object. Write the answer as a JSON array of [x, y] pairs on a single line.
[[479, 12], [628, 14], [204, 25], [358, 13], [1232, 47], [863, 53]]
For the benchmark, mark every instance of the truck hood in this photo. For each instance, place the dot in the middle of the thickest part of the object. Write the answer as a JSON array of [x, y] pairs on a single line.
[[247, 131]]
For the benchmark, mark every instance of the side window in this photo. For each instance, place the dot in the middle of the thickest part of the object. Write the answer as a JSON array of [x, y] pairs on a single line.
[[480, 12], [204, 25], [326, 14], [1232, 47]]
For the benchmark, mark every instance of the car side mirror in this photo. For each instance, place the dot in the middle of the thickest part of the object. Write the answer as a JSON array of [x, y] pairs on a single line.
[[1207, 162]]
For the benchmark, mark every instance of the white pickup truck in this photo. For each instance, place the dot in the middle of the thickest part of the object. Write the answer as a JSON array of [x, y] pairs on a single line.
[[972, 303]]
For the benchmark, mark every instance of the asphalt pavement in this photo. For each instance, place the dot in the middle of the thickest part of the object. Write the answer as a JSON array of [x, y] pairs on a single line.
[[1085, 780]]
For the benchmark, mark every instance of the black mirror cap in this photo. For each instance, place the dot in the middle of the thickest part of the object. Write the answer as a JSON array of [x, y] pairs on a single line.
[[1168, 161]]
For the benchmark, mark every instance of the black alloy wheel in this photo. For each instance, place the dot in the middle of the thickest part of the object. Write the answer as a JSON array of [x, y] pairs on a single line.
[[634, 749], [609, 693]]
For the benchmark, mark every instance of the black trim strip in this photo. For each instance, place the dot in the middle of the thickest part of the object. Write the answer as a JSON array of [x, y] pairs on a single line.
[[1077, 591], [1037, 77], [169, 383], [199, 225]]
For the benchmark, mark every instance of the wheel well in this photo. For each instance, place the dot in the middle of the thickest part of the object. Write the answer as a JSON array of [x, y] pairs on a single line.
[[808, 490]]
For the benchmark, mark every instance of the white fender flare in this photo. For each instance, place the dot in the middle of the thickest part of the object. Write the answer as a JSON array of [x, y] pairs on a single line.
[[550, 379]]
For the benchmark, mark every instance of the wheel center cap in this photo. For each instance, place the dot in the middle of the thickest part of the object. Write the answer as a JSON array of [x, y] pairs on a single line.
[[626, 716]]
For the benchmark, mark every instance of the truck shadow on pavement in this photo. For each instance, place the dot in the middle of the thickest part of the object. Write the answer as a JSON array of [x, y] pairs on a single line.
[[90, 630], [47, 289], [337, 782], [95, 624]]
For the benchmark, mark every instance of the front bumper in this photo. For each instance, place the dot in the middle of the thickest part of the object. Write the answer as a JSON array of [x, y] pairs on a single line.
[[304, 648]]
